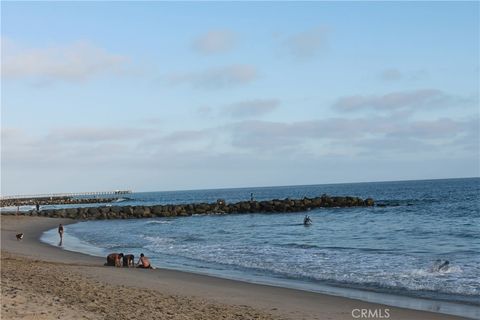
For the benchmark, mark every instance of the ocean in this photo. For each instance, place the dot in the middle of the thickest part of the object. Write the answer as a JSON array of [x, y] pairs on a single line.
[[385, 253]]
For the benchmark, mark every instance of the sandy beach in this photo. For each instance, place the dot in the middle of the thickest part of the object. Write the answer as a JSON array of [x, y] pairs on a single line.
[[44, 282]]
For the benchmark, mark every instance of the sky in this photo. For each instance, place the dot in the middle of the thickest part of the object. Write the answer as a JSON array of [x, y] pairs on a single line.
[[152, 96]]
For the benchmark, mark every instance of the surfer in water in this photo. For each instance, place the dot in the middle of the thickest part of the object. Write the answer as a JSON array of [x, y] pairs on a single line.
[[440, 265], [307, 221], [444, 266]]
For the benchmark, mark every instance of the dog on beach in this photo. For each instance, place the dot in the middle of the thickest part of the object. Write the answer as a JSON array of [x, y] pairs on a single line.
[[19, 236], [128, 260]]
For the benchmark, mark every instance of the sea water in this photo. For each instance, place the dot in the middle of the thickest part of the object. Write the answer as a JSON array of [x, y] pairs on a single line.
[[387, 251]]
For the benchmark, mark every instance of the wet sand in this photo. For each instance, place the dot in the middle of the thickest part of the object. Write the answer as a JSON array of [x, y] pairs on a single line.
[[40, 281]]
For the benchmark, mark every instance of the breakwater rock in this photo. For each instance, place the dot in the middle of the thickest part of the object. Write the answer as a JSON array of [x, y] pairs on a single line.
[[219, 207]]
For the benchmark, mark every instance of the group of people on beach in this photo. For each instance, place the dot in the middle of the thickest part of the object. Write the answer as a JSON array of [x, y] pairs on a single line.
[[128, 260], [118, 259]]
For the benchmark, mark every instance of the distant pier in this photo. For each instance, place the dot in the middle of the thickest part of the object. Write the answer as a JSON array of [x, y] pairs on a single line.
[[62, 198]]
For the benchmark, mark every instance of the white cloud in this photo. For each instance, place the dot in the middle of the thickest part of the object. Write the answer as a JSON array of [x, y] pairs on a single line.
[[98, 154], [394, 101], [216, 78], [307, 44], [395, 75], [185, 135], [391, 75], [95, 134], [204, 111], [348, 132], [251, 108], [215, 41], [442, 128], [76, 62]]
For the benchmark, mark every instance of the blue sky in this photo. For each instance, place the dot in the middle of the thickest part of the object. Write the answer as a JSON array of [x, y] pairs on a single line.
[[165, 96]]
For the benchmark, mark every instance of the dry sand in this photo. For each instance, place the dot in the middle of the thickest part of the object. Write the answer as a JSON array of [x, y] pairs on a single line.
[[43, 282]]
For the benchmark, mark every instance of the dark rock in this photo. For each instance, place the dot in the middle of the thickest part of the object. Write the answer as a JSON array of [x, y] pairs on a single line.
[[219, 207], [93, 211], [138, 212], [157, 210], [115, 209]]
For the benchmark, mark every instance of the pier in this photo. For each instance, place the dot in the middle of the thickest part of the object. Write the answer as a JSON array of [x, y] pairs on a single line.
[[62, 198]]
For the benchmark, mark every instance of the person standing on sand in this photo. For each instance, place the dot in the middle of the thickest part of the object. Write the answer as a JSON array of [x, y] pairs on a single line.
[[143, 262], [60, 232]]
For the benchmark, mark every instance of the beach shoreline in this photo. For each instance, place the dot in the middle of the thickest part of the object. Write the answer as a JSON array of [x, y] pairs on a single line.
[[262, 300]]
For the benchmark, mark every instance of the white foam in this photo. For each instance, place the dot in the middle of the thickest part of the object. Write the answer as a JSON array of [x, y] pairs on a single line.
[[158, 241], [158, 222]]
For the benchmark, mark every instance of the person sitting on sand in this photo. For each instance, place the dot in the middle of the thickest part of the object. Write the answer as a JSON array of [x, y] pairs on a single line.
[[128, 260], [143, 262], [114, 259]]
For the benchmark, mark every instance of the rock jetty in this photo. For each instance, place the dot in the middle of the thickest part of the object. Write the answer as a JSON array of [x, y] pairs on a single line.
[[218, 207]]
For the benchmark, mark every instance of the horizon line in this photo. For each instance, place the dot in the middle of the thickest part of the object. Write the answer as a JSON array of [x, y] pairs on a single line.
[[256, 187]]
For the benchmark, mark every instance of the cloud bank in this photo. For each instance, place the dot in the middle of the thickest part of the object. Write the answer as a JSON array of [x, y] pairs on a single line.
[[215, 41], [251, 108], [391, 75], [394, 100], [216, 78], [307, 44], [76, 62]]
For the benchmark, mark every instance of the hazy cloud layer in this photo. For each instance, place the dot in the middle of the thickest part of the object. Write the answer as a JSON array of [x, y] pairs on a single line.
[[95, 134], [215, 41], [99, 151], [266, 135], [247, 135], [217, 78], [185, 135], [394, 101], [396, 75], [251, 108], [79, 61], [307, 44], [391, 75], [436, 129]]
